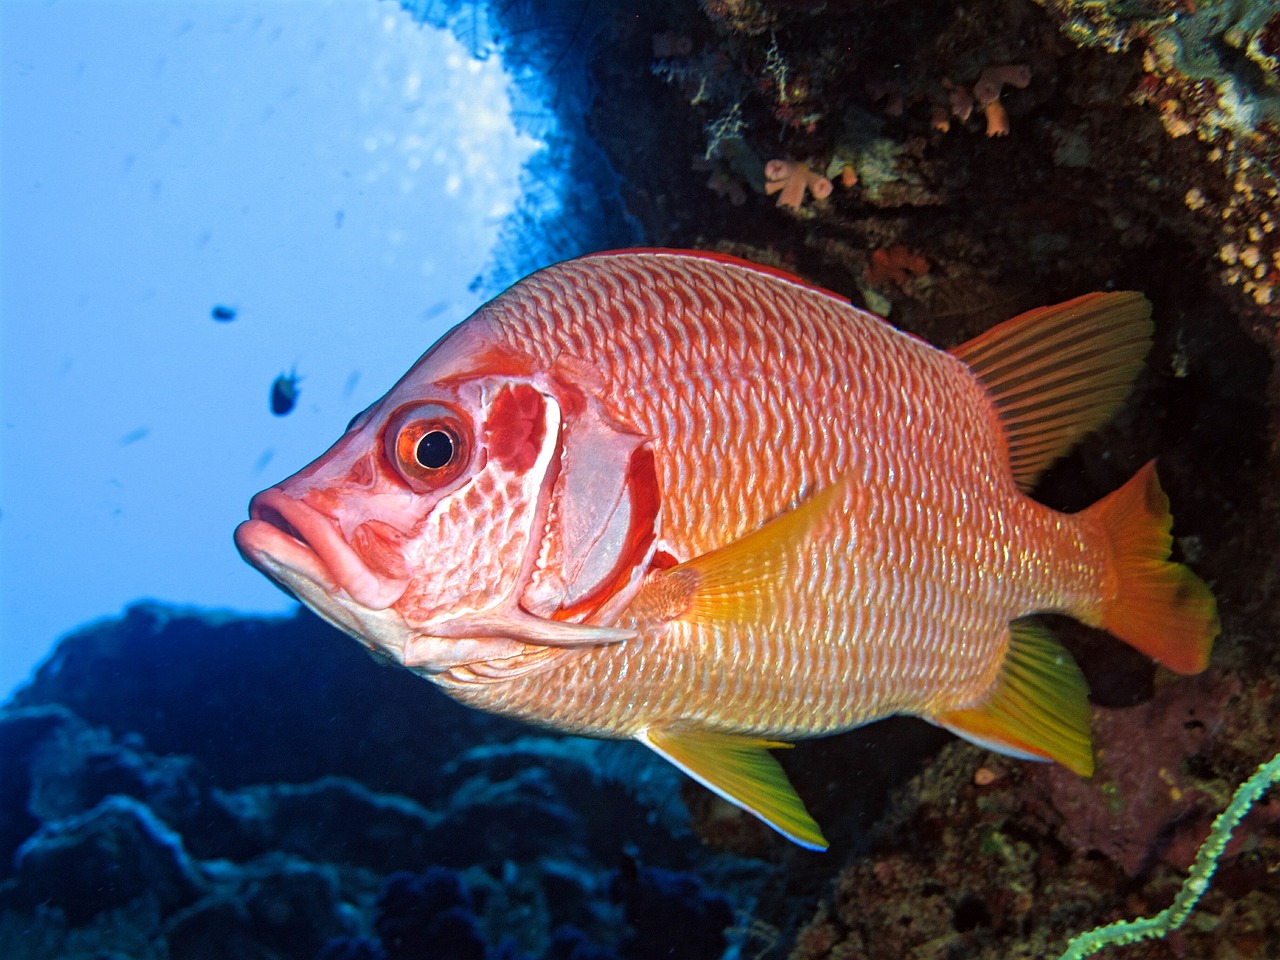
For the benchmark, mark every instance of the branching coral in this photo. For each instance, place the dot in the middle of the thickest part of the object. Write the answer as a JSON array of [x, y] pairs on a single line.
[[790, 179]]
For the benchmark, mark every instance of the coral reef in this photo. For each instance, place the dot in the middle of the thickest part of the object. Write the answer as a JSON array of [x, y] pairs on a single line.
[[232, 842], [1212, 70], [1203, 868], [1092, 173], [1013, 862]]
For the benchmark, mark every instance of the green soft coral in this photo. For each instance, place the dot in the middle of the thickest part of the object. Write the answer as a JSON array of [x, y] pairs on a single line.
[[1197, 882]]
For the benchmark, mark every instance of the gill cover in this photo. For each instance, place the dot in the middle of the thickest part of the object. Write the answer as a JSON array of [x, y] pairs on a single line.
[[603, 521]]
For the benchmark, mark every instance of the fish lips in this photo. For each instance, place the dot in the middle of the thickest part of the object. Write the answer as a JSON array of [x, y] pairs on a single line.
[[288, 540]]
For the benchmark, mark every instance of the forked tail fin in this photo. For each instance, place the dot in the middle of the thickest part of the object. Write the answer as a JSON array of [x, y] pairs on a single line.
[[1157, 606]]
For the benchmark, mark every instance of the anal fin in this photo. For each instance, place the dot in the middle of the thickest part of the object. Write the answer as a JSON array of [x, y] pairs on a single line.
[[1039, 707], [740, 769]]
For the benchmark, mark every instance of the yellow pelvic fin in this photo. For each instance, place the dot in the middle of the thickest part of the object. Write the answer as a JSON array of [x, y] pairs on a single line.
[[1057, 372], [1039, 707], [740, 769], [1159, 607], [741, 580]]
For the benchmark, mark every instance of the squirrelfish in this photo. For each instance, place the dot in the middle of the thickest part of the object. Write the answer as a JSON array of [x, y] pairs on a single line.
[[696, 502]]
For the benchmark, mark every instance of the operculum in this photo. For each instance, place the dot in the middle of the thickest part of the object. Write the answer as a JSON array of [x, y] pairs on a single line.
[[602, 522]]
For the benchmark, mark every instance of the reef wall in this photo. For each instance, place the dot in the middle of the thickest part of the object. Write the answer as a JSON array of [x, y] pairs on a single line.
[[949, 165]]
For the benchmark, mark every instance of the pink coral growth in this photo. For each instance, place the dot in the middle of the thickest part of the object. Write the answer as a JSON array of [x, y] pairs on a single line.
[[993, 79], [790, 179], [987, 92]]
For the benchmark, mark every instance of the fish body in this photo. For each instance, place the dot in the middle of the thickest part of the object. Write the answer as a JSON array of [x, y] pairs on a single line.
[[693, 501]]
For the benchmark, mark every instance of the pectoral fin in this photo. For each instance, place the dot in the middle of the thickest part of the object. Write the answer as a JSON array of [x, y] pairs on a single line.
[[1039, 707], [741, 770], [741, 580]]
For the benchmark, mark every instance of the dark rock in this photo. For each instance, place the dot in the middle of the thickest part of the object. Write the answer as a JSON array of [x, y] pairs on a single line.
[[21, 733], [576, 897], [80, 766], [295, 909], [259, 700], [72, 767], [428, 915], [336, 820], [218, 928], [350, 948], [659, 901], [519, 799], [570, 943], [517, 819], [105, 858]]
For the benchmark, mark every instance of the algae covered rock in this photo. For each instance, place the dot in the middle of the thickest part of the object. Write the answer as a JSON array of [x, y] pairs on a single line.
[[105, 858]]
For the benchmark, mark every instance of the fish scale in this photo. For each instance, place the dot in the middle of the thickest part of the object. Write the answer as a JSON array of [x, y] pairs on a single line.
[[693, 501]]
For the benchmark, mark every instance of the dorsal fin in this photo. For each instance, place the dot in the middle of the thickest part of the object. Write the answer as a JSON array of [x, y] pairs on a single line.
[[1055, 373]]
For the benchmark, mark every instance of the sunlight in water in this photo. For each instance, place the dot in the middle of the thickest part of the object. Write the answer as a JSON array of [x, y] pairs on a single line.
[[330, 175]]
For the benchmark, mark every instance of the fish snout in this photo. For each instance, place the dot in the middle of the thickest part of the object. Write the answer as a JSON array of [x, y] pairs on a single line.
[[288, 539]]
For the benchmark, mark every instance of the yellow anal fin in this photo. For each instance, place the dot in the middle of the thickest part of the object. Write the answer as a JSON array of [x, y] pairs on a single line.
[[1039, 707], [1057, 372], [740, 769], [741, 580]]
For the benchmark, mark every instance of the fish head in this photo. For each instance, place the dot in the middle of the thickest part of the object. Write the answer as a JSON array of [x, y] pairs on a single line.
[[436, 530]]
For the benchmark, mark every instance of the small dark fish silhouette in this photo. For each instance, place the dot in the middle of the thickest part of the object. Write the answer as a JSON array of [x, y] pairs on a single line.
[[284, 393], [223, 313]]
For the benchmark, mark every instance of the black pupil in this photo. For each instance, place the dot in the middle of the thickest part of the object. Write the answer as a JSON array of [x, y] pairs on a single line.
[[435, 450]]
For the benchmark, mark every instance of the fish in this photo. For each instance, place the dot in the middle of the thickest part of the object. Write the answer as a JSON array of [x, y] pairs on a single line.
[[284, 393], [696, 502]]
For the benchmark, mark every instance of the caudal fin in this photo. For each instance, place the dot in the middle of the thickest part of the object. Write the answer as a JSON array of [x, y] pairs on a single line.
[[1158, 606]]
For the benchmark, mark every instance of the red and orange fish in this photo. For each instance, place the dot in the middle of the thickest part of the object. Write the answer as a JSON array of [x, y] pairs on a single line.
[[684, 499]]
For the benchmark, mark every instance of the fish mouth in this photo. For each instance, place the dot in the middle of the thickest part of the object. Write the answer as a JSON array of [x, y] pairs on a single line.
[[290, 541]]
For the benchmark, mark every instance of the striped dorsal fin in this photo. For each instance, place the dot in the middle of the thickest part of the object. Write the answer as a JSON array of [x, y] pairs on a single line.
[[1057, 372]]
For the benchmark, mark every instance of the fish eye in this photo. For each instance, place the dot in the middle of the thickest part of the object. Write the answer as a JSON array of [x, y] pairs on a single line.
[[428, 444], [435, 450]]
